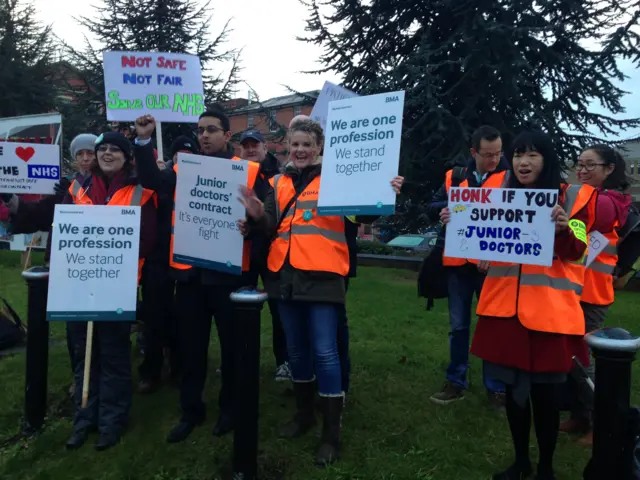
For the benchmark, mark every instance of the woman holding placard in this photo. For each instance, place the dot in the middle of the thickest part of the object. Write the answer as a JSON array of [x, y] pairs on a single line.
[[308, 262], [603, 168], [530, 322]]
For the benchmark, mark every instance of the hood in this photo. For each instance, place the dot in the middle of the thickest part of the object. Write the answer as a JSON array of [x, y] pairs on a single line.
[[621, 201]]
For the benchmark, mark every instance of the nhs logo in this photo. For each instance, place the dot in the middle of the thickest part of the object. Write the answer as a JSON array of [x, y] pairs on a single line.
[[49, 172]]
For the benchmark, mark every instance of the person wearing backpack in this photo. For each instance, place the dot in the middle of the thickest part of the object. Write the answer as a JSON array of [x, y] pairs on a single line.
[[485, 169], [603, 168]]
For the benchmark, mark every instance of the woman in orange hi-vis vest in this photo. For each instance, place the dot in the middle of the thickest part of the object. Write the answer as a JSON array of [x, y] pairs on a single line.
[[112, 182], [308, 262], [603, 168], [530, 324]]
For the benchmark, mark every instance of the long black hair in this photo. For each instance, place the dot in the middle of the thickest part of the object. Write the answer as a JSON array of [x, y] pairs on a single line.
[[537, 141], [618, 179]]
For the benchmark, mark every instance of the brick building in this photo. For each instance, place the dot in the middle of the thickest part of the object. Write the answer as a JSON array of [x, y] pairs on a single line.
[[271, 117]]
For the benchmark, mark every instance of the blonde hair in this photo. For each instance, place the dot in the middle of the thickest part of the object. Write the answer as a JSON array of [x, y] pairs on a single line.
[[310, 127]]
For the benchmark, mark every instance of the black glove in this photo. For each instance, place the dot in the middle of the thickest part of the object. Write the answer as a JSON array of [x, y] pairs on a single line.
[[62, 187], [6, 197]]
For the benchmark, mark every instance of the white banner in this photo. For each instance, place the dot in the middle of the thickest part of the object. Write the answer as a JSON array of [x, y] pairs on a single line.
[[94, 263], [32, 168], [167, 85], [501, 224], [329, 93], [361, 155], [206, 212]]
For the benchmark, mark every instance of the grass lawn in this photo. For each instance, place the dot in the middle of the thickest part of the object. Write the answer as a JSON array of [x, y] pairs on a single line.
[[391, 429]]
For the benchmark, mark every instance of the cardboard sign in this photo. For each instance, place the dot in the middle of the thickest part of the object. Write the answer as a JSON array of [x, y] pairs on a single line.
[[32, 168], [597, 243], [329, 93], [94, 263], [207, 211], [361, 155], [167, 85], [501, 224]]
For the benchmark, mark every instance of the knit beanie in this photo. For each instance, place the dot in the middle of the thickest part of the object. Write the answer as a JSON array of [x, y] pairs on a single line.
[[117, 139], [183, 143], [84, 141]]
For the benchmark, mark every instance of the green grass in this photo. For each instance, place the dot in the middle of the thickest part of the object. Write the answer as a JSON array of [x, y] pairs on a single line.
[[391, 429]]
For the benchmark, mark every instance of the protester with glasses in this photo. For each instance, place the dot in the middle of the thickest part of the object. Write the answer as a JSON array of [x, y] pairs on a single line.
[[602, 167]]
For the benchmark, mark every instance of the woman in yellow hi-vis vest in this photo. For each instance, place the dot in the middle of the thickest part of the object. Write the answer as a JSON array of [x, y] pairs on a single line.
[[308, 262]]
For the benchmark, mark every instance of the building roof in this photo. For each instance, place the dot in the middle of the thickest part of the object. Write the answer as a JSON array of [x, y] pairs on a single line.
[[303, 98]]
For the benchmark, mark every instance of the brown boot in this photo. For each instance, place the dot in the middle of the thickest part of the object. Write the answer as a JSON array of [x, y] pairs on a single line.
[[330, 440], [305, 418], [575, 425]]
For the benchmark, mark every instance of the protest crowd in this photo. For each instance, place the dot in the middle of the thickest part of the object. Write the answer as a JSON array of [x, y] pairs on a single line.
[[532, 317]]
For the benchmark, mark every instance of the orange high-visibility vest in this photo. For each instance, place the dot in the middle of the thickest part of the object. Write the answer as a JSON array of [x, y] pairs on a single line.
[[131, 195], [497, 180], [598, 277], [312, 242], [252, 174], [545, 299]]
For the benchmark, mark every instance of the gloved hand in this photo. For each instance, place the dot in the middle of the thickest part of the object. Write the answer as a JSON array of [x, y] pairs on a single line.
[[62, 187], [6, 197]]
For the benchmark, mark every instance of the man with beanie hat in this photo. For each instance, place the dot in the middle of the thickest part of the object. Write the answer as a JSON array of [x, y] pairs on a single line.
[[82, 152], [182, 144]]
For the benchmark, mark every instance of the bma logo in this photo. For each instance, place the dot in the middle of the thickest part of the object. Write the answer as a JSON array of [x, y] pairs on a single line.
[[237, 167], [310, 192], [1, 150], [128, 211], [392, 99]]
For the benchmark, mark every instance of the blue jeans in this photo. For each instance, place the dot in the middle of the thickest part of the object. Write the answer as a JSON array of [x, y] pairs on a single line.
[[462, 283], [312, 331], [343, 343]]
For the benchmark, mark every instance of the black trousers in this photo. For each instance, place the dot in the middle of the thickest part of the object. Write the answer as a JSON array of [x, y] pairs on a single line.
[[196, 303], [110, 388], [160, 323]]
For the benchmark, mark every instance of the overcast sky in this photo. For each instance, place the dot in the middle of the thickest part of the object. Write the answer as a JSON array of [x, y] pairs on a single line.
[[271, 57]]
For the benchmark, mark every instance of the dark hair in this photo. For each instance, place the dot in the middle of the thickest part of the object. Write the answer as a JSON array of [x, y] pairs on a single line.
[[537, 141], [485, 132], [618, 179], [220, 115]]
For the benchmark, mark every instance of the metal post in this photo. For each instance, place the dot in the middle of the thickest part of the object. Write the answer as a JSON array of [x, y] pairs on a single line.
[[35, 392], [614, 350], [247, 304]]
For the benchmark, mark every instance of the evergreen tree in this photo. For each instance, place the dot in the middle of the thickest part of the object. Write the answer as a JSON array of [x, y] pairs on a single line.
[[512, 64], [26, 51], [177, 26]]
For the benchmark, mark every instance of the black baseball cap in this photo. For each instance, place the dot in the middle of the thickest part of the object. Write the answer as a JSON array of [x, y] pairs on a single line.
[[253, 135], [183, 143]]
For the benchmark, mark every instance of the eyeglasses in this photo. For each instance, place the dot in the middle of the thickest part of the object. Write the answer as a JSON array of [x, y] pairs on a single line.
[[489, 156], [208, 129], [109, 148], [590, 167]]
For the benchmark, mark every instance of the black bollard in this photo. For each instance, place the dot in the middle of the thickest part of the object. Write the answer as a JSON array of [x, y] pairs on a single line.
[[35, 391], [614, 350], [247, 304]]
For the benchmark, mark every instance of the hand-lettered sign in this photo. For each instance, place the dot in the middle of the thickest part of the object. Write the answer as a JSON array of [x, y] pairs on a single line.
[[167, 85]]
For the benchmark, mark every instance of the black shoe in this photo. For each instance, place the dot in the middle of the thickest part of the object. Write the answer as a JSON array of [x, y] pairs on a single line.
[[514, 472], [329, 449], [77, 439], [181, 431], [223, 426], [304, 418], [106, 441]]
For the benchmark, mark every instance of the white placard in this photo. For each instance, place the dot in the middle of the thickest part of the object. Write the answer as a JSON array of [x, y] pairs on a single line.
[[22, 242], [501, 224], [361, 155], [597, 243], [330, 92], [167, 85], [32, 168], [207, 211], [94, 263]]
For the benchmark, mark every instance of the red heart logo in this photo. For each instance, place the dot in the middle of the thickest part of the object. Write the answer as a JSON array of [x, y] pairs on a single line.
[[25, 154]]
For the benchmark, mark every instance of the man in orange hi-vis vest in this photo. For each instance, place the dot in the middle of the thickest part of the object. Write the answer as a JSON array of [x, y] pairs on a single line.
[[464, 278], [201, 293]]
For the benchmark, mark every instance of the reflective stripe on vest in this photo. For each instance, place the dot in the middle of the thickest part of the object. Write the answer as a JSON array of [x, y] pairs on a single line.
[[131, 195], [497, 180], [252, 175], [310, 242], [545, 299], [598, 277]]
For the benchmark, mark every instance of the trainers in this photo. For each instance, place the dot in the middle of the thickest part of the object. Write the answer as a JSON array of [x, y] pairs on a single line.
[[283, 373], [449, 394], [497, 400]]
